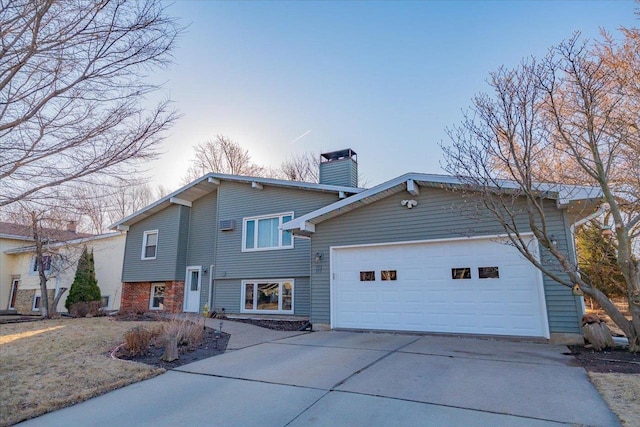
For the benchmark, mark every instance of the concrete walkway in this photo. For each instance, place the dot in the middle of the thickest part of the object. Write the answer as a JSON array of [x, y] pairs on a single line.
[[246, 335], [356, 379]]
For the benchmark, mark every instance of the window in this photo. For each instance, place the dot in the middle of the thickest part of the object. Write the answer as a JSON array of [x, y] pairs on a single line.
[[389, 275], [150, 244], [461, 273], [15, 283], [104, 302], [367, 276], [36, 303], [46, 263], [488, 273], [263, 233], [157, 296], [274, 296]]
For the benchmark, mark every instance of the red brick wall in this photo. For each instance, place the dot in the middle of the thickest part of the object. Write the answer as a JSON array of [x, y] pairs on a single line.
[[136, 297]]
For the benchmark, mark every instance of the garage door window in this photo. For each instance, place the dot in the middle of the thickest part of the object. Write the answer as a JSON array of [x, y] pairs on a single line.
[[367, 276], [461, 273], [389, 275], [267, 296], [488, 273]]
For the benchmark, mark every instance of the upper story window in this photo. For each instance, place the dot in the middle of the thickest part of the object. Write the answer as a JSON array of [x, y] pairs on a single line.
[[263, 232], [150, 244], [46, 264]]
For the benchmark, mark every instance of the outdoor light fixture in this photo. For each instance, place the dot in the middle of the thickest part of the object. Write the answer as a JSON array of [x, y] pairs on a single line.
[[554, 241], [317, 257], [409, 203]]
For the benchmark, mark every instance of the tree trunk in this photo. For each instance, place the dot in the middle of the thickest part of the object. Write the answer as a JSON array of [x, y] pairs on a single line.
[[54, 306], [171, 349]]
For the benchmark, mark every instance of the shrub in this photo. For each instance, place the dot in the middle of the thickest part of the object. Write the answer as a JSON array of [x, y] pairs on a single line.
[[137, 341], [85, 286], [86, 309], [188, 333], [79, 309]]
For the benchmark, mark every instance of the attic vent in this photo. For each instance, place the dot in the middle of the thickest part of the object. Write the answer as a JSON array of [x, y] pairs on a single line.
[[226, 225]]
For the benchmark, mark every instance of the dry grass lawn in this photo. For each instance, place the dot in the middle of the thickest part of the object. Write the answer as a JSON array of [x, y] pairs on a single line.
[[47, 365], [622, 394]]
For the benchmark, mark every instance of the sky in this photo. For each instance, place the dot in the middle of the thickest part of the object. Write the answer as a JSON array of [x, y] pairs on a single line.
[[383, 78]]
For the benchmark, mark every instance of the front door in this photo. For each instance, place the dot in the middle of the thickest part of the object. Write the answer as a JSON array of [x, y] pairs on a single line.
[[192, 290]]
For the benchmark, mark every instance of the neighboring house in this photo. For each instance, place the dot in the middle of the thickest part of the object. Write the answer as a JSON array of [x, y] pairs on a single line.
[[399, 256], [19, 265]]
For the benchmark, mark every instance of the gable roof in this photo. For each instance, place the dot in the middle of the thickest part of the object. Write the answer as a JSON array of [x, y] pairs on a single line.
[[565, 196], [210, 182], [9, 230]]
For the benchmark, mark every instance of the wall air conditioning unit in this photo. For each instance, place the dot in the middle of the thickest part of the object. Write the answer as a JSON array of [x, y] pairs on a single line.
[[226, 225]]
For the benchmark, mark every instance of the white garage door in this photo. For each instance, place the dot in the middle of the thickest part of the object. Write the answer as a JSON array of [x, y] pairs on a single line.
[[477, 286]]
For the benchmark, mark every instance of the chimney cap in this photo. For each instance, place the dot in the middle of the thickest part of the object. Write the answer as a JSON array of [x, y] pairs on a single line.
[[337, 155]]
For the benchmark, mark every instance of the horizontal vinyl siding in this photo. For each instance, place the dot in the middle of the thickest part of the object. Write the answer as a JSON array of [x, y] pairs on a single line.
[[439, 214], [228, 293], [237, 201], [164, 267], [339, 172], [183, 242], [202, 239]]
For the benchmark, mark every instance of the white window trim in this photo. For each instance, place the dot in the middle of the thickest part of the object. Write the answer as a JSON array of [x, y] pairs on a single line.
[[255, 231], [15, 285], [33, 303], [152, 295], [144, 244], [108, 297], [33, 271], [255, 294]]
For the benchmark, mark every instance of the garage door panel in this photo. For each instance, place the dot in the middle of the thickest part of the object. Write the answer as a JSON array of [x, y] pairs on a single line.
[[424, 297]]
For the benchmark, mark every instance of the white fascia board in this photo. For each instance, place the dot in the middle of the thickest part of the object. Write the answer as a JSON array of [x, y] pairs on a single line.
[[177, 201], [256, 185], [16, 237], [122, 228], [412, 187], [214, 181], [65, 243]]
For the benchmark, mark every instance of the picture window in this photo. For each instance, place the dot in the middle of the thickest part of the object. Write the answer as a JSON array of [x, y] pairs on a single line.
[[267, 296]]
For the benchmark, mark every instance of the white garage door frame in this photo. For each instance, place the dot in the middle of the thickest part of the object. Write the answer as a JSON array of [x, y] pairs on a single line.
[[496, 237]]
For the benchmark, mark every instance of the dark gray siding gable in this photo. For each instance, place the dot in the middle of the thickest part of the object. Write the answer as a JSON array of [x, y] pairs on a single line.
[[170, 225], [237, 201], [439, 215], [202, 239]]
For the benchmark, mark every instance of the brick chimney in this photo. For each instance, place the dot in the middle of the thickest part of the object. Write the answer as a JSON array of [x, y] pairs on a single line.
[[71, 226]]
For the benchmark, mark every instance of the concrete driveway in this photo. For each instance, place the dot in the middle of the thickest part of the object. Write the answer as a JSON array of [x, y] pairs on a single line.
[[358, 379]]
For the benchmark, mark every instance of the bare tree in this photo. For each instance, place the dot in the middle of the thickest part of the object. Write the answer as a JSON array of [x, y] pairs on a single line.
[[302, 167], [222, 155], [50, 227], [72, 91], [101, 205], [574, 107]]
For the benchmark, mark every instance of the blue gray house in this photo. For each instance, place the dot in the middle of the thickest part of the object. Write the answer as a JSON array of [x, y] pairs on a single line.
[[398, 256]]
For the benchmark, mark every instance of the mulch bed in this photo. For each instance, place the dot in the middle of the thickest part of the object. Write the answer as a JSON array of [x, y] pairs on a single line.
[[613, 360], [278, 325], [208, 348]]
